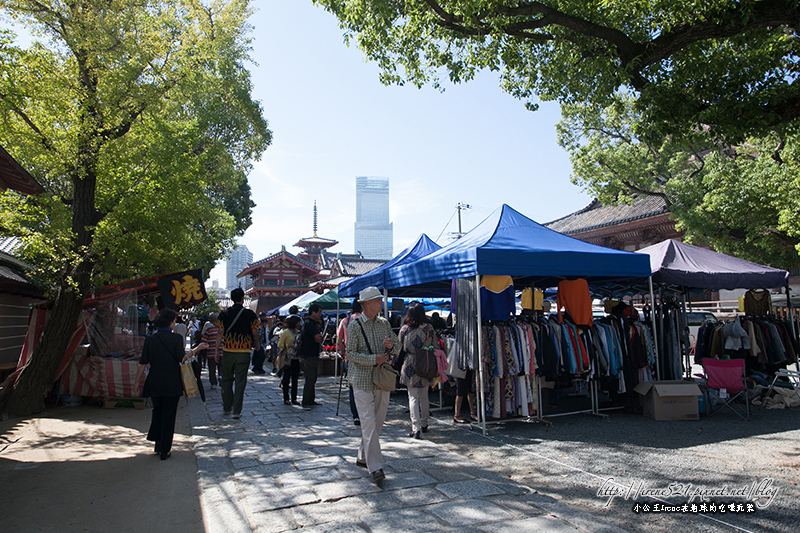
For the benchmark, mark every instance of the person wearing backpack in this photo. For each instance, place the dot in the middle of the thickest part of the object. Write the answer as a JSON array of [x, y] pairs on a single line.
[[418, 339]]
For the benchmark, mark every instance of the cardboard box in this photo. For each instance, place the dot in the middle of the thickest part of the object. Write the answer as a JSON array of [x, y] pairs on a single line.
[[669, 400], [125, 403]]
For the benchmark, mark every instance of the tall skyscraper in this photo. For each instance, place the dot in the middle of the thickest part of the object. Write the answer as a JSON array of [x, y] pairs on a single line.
[[373, 231], [238, 261]]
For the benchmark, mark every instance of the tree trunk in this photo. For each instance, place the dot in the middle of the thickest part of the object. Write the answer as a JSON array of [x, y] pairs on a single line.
[[36, 380]]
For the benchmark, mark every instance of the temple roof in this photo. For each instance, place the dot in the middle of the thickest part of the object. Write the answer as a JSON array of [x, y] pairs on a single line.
[[13, 272], [355, 267], [13, 176], [254, 266], [315, 242], [328, 259], [596, 215]]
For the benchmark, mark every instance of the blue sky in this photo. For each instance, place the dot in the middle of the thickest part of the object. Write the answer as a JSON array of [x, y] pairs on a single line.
[[333, 120]]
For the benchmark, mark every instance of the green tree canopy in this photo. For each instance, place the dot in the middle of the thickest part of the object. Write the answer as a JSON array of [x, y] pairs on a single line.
[[137, 118], [693, 101], [741, 200], [731, 66]]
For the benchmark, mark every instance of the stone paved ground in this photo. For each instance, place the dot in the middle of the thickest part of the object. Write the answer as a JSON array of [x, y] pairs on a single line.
[[280, 468]]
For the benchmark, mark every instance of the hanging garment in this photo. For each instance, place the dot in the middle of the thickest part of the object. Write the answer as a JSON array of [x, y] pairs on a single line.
[[526, 298], [466, 311], [531, 299], [757, 303], [574, 297], [497, 297], [736, 337]]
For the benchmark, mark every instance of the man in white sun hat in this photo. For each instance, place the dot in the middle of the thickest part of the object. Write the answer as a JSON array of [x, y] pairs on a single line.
[[370, 342]]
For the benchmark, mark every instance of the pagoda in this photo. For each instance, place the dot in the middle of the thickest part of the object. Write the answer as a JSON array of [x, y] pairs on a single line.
[[314, 246]]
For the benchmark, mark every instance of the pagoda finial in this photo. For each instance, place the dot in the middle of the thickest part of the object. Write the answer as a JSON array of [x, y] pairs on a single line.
[[315, 218]]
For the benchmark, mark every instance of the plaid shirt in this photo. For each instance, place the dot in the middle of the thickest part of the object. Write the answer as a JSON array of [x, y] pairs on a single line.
[[360, 360]]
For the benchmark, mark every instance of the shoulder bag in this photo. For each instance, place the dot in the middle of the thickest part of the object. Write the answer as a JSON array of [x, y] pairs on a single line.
[[283, 360], [188, 378], [384, 377]]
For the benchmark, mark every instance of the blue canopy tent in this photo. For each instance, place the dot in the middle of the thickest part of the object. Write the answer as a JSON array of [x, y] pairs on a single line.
[[507, 243], [511, 244], [375, 278]]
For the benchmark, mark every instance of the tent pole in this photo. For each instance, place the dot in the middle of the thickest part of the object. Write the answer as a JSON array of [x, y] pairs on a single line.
[[663, 336], [386, 303], [791, 318], [655, 333], [336, 331], [482, 411], [685, 335]]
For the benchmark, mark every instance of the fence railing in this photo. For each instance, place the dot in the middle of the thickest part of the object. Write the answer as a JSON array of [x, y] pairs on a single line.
[[730, 308]]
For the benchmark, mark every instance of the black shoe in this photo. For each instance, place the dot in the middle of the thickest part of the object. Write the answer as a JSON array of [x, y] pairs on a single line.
[[356, 422], [295, 402], [165, 455], [378, 475], [315, 403], [362, 464], [287, 402], [415, 435], [424, 429]]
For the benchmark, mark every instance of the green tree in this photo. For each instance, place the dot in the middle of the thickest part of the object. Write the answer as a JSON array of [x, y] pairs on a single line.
[[742, 200], [211, 305], [665, 89], [137, 118], [728, 65]]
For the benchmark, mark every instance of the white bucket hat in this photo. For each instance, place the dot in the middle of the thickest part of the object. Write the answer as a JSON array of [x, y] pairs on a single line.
[[370, 293]]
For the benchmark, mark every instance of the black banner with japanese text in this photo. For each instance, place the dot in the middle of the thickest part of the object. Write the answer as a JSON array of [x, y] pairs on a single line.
[[184, 290]]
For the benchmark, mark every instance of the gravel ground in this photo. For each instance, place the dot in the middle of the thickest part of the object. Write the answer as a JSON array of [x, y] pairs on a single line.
[[575, 456]]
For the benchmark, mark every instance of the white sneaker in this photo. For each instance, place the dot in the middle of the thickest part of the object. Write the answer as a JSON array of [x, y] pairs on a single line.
[[237, 415]]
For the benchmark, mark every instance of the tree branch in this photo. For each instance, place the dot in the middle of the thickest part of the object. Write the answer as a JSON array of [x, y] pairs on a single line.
[[633, 56], [46, 142]]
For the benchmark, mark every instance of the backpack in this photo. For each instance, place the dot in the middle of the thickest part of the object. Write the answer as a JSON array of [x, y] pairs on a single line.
[[424, 363]]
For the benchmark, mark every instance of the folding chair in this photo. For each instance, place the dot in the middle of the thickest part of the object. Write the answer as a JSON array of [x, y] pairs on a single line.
[[728, 379], [789, 379]]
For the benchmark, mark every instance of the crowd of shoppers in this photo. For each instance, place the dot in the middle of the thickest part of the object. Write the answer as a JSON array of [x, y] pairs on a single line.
[[224, 344]]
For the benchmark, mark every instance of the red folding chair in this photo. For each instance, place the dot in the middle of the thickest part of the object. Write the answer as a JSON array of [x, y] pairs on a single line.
[[728, 379]]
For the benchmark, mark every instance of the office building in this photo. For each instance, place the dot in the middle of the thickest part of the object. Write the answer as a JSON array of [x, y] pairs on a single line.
[[373, 231], [238, 261]]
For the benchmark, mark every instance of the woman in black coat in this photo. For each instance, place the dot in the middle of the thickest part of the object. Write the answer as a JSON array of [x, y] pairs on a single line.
[[164, 351]]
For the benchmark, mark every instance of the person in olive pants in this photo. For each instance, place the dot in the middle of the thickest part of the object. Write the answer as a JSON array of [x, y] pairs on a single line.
[[238, 329]]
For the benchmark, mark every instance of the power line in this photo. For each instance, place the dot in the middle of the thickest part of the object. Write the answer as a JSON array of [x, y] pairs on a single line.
[[445, 226]]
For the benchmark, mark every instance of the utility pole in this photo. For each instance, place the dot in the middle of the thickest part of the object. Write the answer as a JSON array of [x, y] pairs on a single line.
[[460, 207]]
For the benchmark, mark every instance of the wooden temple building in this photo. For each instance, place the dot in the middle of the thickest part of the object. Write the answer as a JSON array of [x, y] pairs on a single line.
[[623, 227], [283, 276]]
